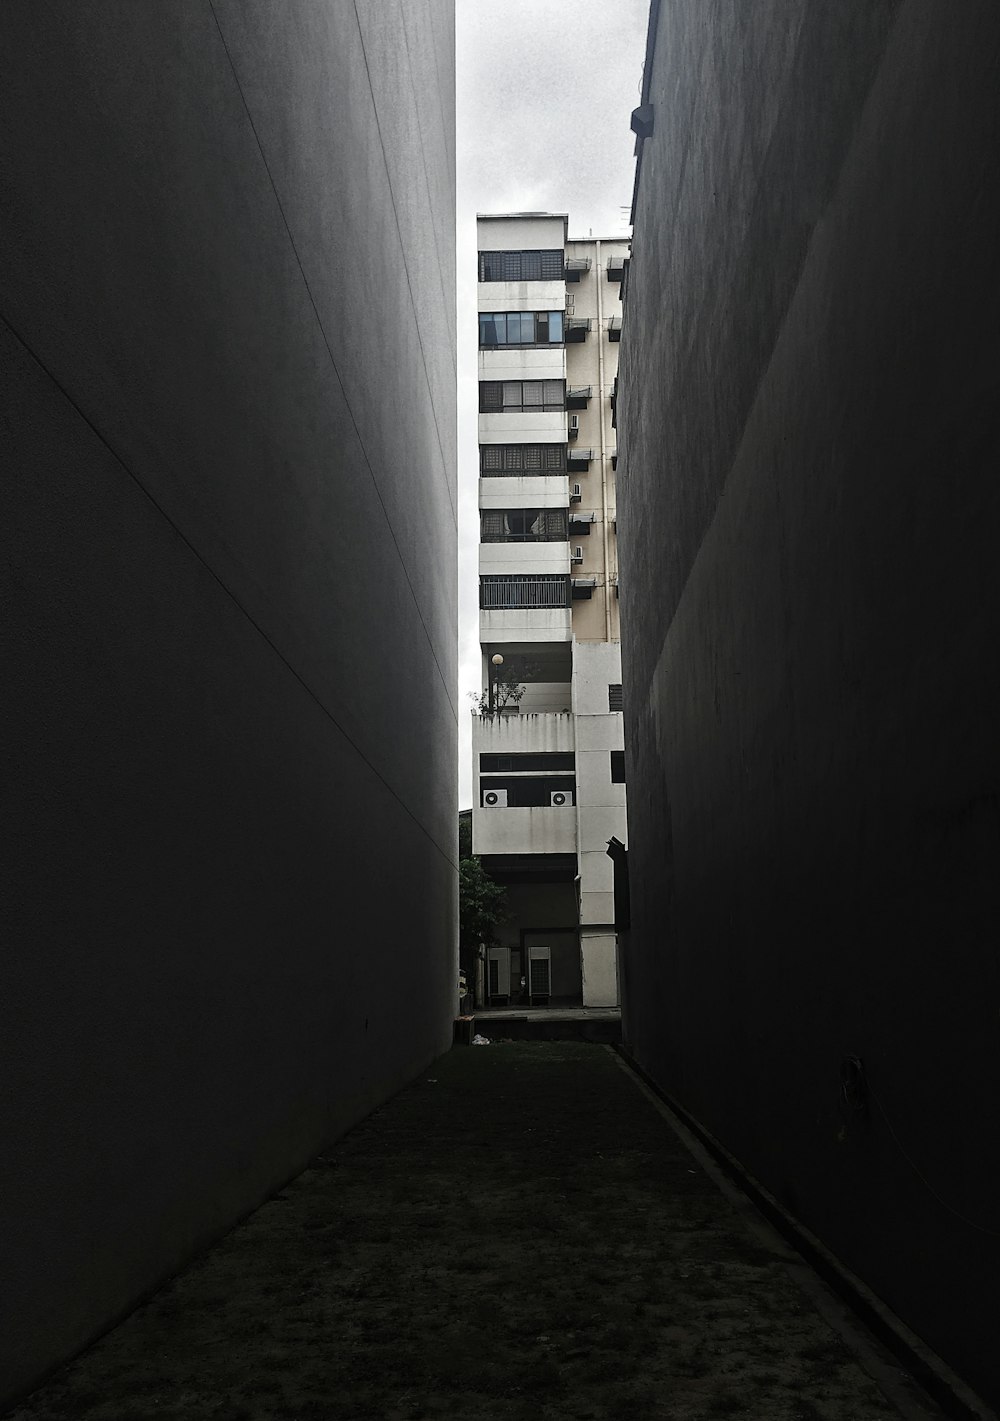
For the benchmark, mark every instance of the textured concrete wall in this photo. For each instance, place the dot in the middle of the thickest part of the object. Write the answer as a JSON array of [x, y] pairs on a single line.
[[808, 508], [227, 255]]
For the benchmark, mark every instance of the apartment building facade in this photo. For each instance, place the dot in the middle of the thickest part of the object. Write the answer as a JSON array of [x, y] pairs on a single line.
[[548, 771]]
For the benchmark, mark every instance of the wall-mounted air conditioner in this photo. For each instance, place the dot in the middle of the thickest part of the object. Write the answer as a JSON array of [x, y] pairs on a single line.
[[576, 494], [574, 424], [494, 799], [577, 555], [561, 798], [570, 304]]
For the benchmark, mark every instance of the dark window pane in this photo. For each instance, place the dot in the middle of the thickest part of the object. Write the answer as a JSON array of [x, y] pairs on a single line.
[[521, 266], [614, 698], [490, 396], [492, 329], [617, 767], [490, 457]]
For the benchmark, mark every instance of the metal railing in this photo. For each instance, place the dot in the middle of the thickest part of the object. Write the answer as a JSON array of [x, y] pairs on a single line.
[[507, 591]]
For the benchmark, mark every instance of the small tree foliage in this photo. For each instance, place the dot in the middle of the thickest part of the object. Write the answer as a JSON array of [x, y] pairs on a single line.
[[481, 903], [508, 687]]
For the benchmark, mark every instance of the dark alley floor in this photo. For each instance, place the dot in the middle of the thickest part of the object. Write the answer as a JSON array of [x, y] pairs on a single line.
[[520, 1234]]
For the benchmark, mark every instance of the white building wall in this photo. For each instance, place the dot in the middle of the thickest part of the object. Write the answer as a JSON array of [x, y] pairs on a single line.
[[526, 624], [517, 491], [527, 426], [524, 831], [528, 232], [533, 362], [522, 295], [527, 558], [591, 730]]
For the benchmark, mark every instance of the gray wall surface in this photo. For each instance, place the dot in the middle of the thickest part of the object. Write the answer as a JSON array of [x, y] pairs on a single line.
[[228, 511], [809, 426]]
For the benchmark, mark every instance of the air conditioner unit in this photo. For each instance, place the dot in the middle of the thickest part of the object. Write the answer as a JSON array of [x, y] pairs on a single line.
[[561, 798], [576, 494], [494, 799], [570, 305], [574, 424], [577, 555]]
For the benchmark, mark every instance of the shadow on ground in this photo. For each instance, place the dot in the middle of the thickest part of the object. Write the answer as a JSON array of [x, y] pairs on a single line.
[[517, 1235]]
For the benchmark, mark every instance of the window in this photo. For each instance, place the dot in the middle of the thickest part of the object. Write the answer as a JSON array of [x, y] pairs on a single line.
[[521, 266], [520, 328], [496, 460], [500, 591], [541, 760], [514, 396], [523, 525], [530, 791], [614, 698], [618, 767]]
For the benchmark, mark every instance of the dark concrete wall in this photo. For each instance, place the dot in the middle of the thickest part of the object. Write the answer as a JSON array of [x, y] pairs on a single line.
[[227, 255], [809, 426]]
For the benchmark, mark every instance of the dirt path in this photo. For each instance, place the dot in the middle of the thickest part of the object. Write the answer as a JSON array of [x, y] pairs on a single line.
[[518, 1235]]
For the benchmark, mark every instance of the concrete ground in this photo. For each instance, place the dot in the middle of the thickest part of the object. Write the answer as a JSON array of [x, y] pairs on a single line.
[[520, 1234]]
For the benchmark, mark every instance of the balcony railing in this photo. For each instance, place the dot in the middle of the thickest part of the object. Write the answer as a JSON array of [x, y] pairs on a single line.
[[510, 591]]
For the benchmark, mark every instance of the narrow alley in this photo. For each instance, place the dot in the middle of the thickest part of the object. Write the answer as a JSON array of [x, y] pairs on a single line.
[[521, 1233]]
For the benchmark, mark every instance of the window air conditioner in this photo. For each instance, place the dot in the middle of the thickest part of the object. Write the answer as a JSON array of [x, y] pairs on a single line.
[[561, 798], [577, 555], [494, 799], [574, 424]]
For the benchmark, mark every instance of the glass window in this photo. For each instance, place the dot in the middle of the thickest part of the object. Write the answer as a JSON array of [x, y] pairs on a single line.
[[521, 266], [510, 396]]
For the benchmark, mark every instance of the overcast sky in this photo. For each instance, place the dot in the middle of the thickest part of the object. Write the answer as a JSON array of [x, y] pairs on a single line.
[[545, 92]]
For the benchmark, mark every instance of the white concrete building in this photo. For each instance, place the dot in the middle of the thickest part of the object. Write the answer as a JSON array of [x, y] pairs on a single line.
[[548, 772]]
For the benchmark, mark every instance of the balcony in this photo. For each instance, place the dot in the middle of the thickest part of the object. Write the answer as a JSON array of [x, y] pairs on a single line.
[[576, 267], [579, 458], [578, 397], [577, 329], [583, 588], [614, 328], [526, 624], [527, 559], [616, 268]]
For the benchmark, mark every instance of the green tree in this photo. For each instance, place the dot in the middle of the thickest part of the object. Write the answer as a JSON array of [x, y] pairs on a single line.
[[482, 904]]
